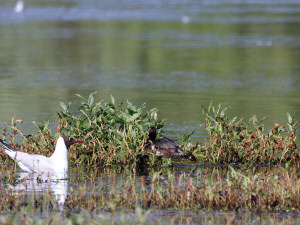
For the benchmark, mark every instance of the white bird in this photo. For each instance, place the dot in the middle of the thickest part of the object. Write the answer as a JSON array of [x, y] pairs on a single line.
[[53, 166], [19, 6], [185, 19]]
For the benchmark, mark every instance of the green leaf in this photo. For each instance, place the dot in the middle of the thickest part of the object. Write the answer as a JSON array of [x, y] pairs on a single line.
[[239, 122], [222, 113], [254, 119], [262, 119], [231, 122], [80, 96], [112, 100], [241, 154], [290, 118], [134, 116], [209, 107], [64, 107], [91, 99]]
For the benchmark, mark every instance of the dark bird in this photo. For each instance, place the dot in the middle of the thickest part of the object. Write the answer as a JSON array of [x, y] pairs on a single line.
[[163, 146]]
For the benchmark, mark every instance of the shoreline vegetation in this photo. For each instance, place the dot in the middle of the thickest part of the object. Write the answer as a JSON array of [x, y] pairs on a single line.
[[115, 134], [257, 170]]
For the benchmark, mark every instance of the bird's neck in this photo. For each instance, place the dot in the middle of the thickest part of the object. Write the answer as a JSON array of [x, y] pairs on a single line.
[[60, 155], [152, 138]]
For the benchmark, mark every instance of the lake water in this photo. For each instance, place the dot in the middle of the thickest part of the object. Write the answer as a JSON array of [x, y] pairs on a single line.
[[174, 55], [72, 196]]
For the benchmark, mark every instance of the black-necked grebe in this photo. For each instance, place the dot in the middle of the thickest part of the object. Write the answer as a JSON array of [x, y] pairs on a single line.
[[163, 146]]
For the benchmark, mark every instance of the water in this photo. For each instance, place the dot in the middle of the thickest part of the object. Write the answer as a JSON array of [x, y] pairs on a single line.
[[174, 55], [82, 183], [177, 56]]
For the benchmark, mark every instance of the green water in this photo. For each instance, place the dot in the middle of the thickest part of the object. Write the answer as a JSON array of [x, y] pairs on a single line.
[[245, 59]]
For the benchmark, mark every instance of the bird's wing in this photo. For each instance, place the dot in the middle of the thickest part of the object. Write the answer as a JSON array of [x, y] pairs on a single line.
[[35, 163], [165, 143], [7, 146], [168, 147], [31, 163]]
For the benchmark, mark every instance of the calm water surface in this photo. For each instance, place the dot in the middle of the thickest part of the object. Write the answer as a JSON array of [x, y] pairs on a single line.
[[174, 55]]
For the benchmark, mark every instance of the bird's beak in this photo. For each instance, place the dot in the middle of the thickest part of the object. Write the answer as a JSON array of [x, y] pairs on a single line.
[[79, 141]]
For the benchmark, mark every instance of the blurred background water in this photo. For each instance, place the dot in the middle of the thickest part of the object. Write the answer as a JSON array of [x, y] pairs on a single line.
[[174, 55]]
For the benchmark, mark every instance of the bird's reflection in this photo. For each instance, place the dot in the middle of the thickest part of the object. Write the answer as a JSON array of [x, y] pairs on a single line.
[[32, 182]]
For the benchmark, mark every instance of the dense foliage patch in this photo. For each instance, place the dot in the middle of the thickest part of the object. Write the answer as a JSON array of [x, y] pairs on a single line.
[[116, 133], [233, 141]]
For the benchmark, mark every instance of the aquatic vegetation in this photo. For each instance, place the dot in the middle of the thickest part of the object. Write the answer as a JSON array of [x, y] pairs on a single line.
[[113, 133], [233, 141], [252, 189], [116, 133]]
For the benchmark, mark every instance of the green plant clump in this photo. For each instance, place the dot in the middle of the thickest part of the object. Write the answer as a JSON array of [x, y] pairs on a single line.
[[232, 141], [113, 133], [116, 133]]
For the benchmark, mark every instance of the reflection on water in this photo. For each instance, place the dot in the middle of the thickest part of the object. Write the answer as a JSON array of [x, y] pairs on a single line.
[[83, 185], [39, 184]]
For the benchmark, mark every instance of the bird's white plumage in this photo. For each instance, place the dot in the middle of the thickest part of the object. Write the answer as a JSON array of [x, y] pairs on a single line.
[[19, 7], [54, 166]]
